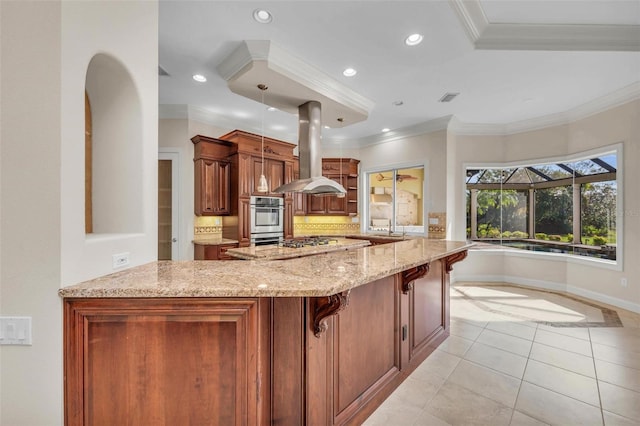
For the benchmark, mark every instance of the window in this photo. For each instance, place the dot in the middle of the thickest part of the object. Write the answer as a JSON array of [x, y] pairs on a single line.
[[561, 207], [396, 200]]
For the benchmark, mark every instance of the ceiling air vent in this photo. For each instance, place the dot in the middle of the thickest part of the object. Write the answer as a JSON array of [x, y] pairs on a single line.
[[162, 72], [448, 97]]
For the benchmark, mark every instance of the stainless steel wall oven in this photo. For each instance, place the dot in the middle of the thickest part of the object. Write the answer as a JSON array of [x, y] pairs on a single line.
[[267, 220]]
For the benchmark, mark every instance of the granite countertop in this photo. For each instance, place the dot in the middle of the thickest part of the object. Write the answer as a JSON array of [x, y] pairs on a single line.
[[324, 275], [275, 252], [213, 241]]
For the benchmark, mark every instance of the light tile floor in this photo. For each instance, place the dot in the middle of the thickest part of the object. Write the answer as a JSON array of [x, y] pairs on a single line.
[[519, 356]]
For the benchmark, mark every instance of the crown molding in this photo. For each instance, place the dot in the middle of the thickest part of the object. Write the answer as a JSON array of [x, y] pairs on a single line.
[[614, 99], [485, 35], [611, 100], [437, 124]]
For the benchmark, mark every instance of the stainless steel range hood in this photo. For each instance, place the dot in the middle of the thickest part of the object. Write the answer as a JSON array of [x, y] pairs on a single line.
[[309, 145]]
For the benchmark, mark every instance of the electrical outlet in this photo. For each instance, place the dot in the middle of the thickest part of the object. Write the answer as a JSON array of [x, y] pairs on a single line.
[[15, 330], [623, 282], [120, 260]]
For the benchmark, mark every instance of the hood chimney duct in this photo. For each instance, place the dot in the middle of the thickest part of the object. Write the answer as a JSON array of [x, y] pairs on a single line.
[[310, 139], [309, 152]]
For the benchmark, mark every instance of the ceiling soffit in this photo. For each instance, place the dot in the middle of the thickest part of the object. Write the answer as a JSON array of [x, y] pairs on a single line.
[[520, 36], [291, 82]]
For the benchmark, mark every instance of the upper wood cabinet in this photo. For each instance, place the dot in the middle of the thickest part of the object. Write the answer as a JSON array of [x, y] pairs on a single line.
[[212, 195], [273, 172], [212, 176], [246, 168], [344, 171], [276, 155]]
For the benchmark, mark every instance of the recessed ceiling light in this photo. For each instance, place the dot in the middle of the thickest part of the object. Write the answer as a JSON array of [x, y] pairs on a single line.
[[326, 127], [199, 78], [398, 103], [349, 72], [385, 130], [262, 16], [271, 109], [413, 39]]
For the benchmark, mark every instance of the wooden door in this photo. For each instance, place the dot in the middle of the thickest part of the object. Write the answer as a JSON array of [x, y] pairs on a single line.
[[165, 231]]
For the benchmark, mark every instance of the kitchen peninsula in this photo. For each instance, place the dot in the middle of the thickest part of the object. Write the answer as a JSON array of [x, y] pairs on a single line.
[[315, 340]]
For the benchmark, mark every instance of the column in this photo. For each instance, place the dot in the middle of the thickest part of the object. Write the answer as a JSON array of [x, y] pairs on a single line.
[[576, 213], [474, 214], [532, 213]]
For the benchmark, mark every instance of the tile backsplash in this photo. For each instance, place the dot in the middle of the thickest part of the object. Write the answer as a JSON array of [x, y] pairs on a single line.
[[207, 225], [324, 225]]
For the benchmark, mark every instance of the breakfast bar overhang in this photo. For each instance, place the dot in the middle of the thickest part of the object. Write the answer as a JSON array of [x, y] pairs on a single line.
[[316, 340]]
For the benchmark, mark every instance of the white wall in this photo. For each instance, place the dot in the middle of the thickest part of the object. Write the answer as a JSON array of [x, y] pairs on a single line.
[[429, 150], [590, 279], [114, 29], [31, 376], [45, 50]]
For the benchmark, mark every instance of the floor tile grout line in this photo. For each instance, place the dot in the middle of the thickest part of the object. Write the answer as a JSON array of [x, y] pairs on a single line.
[[595, 371], [522, 380]]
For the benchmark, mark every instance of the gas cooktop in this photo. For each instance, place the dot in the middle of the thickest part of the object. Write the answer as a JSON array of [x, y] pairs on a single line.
[[307, 242]]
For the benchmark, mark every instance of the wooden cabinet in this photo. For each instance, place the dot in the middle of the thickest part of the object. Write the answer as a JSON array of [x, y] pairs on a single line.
[[166, 361], [213, 252], [212, 188], [299, 199], [273, 172], [328, 360], [246, 162], [212, 176], [345, 172]]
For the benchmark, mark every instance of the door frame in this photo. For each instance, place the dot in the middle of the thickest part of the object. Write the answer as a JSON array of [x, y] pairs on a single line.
[[173, 154]]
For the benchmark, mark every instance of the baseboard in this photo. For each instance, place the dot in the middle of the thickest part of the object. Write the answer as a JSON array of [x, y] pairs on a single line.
[[609, 300], [549, 285]]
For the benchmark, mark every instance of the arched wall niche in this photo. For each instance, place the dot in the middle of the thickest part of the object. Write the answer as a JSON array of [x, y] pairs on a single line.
[[116, 148]]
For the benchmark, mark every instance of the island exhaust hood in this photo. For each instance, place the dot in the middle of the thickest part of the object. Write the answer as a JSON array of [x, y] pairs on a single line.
[[309, 145]]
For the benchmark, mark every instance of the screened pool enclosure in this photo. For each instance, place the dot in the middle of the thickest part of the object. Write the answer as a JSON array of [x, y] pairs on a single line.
[[563, 207]]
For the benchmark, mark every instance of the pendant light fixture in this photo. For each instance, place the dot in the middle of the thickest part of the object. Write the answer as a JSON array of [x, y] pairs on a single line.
[[262, 183], [340, 194]]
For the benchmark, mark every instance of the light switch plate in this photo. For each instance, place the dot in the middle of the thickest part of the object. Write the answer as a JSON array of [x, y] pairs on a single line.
[[15, 330]]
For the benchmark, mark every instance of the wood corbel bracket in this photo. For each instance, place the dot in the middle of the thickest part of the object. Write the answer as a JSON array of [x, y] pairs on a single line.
[[456, 257], [410, 275], [326, 307]]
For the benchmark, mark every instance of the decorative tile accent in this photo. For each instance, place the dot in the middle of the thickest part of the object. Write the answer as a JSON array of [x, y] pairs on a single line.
[[199, 230], [326, 228], [609, 316], [437, 230]]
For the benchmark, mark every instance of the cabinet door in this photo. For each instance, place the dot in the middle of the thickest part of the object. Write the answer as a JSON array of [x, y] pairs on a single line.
[[288, 219], [337, 205], [273, 170], [256, 171], [244, 219], [222, 203], [245, 175], [275, 175], [316, 204], [212, 187], [299, 199], [165, 362]]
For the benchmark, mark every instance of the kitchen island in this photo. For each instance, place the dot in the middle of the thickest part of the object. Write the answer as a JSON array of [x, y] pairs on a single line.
[[297, 248], [316, 340]]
